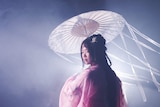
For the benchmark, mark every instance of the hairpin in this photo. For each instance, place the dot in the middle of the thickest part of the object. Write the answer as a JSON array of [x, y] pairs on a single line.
[[93, 40]]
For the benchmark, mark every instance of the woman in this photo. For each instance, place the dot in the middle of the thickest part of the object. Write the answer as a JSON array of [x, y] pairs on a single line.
[[97, 85]]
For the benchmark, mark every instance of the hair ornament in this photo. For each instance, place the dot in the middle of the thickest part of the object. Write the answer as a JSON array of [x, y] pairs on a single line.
[[93, 40]]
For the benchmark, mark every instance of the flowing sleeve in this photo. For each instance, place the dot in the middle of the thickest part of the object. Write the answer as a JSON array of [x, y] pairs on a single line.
[[76, 91], [70, 94], [87, 92]]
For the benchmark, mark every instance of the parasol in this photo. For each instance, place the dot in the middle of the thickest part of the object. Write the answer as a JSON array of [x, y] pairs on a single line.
[[68, 36]]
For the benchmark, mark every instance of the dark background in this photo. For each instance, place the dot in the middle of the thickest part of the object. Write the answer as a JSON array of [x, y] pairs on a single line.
[[31, 75]]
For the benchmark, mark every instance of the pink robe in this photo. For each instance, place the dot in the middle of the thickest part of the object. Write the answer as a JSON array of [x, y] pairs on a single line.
[[78, 90]]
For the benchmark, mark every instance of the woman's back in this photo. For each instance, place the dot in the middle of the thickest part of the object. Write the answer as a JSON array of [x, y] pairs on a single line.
[[107, 86]]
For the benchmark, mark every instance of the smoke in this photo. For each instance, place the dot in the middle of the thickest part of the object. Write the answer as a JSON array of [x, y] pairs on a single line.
[[31, 75], [29, 70]]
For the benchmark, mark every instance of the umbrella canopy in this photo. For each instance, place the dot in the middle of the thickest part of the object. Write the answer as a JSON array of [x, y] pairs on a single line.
[[68, 36]]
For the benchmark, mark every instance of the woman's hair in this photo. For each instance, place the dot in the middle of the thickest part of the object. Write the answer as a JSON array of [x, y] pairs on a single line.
[[97, 49]]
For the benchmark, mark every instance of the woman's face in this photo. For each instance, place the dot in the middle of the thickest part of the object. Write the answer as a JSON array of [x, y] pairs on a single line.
[[86, 55]]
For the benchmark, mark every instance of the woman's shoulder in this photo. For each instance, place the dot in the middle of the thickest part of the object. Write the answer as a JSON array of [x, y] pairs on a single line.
[[91, 68], [83, 74]]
